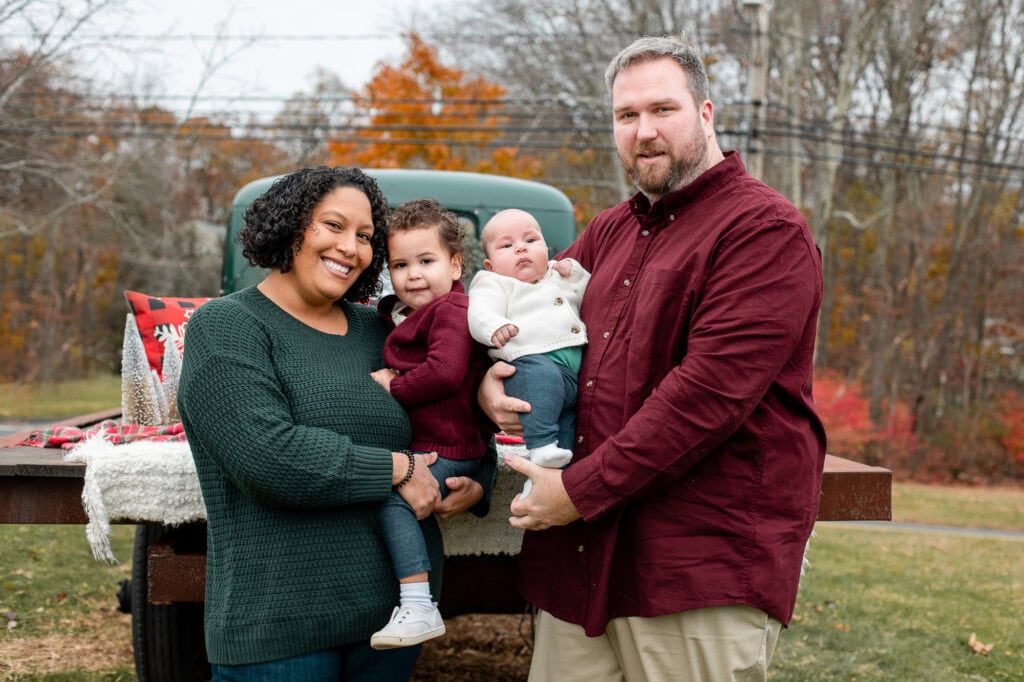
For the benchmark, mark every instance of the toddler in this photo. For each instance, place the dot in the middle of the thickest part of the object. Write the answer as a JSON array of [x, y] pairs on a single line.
[[527, 310], [432, 369]]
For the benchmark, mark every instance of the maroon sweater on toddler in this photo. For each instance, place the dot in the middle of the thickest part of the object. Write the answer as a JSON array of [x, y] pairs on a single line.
[[440, 367]]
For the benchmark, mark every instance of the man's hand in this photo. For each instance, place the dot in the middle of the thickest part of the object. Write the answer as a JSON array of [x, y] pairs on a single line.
[[463, 493], [547, 504], [563, 267], [503, 335], [503, 410], [384, 377]]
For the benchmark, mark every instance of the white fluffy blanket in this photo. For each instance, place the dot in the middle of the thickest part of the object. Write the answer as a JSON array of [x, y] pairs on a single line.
[[156, 482], [140, 481]]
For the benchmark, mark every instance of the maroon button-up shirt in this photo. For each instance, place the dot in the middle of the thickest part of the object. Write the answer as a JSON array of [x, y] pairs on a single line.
[[698, 457]]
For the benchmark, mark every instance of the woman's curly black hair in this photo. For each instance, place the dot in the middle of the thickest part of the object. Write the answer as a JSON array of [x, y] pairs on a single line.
[[277, 220]]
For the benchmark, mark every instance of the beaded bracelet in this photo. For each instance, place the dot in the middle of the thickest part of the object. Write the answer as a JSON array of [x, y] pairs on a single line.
[[408, 474]]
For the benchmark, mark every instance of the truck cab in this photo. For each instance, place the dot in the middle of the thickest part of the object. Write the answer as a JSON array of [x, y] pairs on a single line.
[[473, 197]]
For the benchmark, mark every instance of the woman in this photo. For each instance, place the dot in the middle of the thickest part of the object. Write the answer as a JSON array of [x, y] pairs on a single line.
[[296, 445]]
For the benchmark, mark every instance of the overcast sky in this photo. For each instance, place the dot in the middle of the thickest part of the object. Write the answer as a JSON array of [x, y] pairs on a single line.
[[347, 37]]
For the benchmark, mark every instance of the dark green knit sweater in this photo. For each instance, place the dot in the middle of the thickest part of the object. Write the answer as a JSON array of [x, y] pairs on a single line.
[[292, 442]]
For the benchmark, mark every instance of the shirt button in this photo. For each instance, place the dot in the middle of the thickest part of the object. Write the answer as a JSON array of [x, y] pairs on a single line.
[[575, 329], [559, 301], [625, 282]]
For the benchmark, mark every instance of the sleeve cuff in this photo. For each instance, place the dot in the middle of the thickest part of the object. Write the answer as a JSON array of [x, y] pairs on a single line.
[[369, 474], [587, 490]]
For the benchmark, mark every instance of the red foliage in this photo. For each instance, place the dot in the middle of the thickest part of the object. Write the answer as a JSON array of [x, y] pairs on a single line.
[[985, 445], [845, 411], [1011, 418]]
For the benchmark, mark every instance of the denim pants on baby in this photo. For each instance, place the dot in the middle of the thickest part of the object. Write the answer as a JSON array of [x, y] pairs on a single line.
[[401, 528], [550, 388]]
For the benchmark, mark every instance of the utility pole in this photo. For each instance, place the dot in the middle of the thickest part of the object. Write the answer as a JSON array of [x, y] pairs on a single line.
[[757, 85]]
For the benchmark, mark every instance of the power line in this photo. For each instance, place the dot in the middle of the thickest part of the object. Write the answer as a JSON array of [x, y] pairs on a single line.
[[351, 136]]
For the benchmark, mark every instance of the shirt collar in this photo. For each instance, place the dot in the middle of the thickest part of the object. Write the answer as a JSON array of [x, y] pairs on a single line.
[[707, 183]]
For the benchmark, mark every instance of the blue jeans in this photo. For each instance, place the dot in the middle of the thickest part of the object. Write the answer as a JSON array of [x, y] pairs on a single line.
[[400, 527], [550, 388], [352, 663]]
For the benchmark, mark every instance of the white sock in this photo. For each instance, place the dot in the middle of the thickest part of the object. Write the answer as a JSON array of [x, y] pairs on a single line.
[[417, 594], [550, 455]]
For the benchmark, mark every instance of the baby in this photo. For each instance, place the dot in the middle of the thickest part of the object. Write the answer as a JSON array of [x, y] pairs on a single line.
[[433, 368], [527, 310]]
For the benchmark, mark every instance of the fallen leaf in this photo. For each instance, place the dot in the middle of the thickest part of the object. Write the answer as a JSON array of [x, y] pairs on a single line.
[[842, 626], [979, 647]]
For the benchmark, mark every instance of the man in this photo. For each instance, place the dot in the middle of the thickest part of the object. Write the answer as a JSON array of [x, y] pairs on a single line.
[[670, 548]]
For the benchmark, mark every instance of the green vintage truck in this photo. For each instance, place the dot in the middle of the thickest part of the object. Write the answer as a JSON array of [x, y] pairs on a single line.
[[165, 593]]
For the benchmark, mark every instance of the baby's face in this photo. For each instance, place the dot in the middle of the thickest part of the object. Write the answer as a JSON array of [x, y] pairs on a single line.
[[516, 249]]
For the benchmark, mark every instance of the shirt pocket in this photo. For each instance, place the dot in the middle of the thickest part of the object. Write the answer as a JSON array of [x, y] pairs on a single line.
[[660, 317]]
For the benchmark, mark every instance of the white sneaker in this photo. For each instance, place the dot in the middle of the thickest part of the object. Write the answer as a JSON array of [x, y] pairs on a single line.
[[550, 456], [409, 625]]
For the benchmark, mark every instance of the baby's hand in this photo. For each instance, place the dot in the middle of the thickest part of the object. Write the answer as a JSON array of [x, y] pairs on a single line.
[[503, 335], [563, 268], [384, 377]]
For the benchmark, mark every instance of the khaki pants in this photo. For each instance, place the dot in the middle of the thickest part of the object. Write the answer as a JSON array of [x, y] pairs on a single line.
[[728, 643]]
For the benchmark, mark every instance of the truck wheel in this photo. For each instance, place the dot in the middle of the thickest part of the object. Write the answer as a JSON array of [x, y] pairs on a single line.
[[167, 640]]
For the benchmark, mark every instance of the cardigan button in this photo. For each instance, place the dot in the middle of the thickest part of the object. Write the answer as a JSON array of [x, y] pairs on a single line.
[[580, 549]]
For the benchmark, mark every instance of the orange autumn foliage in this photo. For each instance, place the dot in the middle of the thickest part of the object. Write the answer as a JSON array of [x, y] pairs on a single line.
[[423, 114]]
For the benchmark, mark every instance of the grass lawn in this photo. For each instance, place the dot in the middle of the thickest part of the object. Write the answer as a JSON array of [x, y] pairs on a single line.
[[999, 507], [60, 606], [64, 399], [881, 604]]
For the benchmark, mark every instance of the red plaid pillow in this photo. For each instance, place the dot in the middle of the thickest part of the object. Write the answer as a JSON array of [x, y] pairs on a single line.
[[160, 319]]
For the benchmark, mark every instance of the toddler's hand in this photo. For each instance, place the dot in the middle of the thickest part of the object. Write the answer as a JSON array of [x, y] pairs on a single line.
[[384, 377], [563, 268], [503, 335]]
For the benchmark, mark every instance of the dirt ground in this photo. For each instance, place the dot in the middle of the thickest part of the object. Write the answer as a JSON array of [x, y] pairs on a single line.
[[476, 648]]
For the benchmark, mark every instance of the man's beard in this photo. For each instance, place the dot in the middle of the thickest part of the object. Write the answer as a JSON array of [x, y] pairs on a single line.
[[655, 183]]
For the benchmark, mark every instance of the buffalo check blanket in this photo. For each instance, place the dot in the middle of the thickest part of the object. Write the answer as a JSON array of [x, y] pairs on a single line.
[[67, 437]]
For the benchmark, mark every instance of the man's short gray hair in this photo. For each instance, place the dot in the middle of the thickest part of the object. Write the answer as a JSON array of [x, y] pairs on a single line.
[[651, 48]]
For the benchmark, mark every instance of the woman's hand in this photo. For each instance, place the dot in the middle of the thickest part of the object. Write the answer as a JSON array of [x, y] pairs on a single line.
[[500, 408], [463, 493], [421, 491]]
